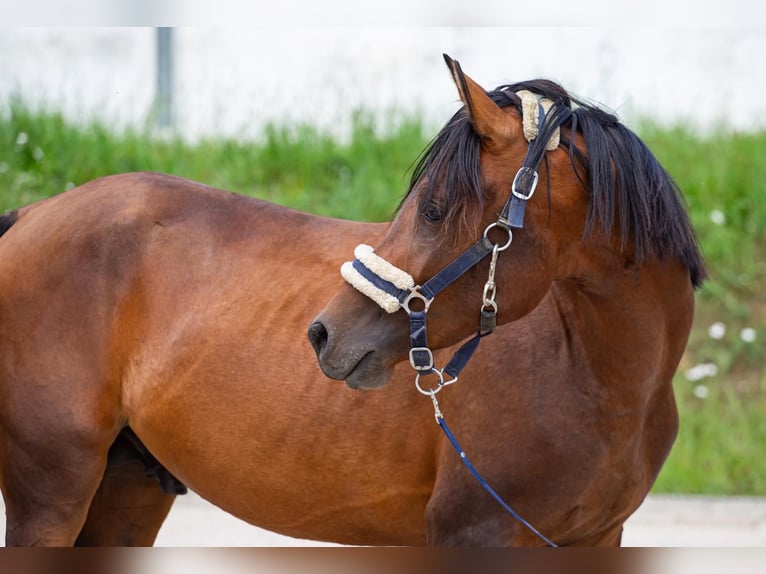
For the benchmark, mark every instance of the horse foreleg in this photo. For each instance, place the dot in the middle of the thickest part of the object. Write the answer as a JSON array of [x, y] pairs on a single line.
[[463, 514], [610, 537], [127, 510], [48, 488]]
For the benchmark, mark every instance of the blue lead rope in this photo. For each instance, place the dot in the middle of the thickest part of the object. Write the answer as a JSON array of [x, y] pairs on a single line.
[[487, 487]]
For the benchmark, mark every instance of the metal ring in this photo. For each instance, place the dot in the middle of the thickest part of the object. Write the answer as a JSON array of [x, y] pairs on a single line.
[[430, 392], [415, 294], [489, 304], [497, 245]]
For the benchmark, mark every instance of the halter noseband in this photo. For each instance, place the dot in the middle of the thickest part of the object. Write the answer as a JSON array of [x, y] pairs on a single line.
[[393, 288]]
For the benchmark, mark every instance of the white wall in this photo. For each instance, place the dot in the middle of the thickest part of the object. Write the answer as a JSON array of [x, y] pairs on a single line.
[[231, 80]]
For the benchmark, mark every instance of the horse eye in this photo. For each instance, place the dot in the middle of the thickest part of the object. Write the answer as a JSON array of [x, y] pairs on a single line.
[[432, 212]]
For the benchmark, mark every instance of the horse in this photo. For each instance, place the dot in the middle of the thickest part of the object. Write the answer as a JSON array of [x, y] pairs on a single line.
[[591, 281], [153, 339]]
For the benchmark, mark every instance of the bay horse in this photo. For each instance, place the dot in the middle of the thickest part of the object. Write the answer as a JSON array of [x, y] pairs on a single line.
[[593, 278], [152, 338]]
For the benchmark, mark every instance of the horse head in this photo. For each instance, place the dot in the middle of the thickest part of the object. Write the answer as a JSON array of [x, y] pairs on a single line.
[[535, 187]]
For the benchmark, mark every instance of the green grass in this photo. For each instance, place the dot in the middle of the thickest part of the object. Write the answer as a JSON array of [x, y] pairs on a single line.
[[721, 446], [722, 441], [362, 178]]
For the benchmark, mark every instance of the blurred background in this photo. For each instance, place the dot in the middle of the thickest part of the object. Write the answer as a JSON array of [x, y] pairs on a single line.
[[330, 119], [233, 81]]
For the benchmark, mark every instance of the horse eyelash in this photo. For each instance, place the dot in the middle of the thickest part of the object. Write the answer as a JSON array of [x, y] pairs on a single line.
[[431, 211]]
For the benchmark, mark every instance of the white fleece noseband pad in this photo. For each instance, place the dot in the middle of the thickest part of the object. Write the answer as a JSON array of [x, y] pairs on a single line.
[[530, 113], [383, 269]]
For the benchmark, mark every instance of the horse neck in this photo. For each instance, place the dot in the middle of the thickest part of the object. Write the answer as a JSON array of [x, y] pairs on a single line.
[[631, 320]]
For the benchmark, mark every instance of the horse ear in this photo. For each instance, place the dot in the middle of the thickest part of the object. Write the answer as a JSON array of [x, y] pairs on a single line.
[[487, 118]]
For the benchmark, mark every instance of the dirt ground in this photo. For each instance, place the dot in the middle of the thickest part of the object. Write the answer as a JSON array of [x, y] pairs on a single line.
[[662, 521]]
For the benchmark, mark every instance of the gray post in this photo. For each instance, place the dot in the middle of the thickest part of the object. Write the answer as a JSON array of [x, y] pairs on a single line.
[[164, 97]]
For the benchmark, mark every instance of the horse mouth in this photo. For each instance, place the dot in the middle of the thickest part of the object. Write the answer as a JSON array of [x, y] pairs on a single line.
[[361, 366], [368, 373]]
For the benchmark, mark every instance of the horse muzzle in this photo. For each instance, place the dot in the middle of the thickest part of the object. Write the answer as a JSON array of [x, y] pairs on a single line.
[[360, 367]]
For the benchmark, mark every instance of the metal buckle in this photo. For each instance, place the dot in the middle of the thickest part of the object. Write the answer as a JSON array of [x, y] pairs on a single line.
[[531, 192], [417, 353]]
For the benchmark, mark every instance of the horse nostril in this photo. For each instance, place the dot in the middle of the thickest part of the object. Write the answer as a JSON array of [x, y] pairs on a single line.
[[318, 337]]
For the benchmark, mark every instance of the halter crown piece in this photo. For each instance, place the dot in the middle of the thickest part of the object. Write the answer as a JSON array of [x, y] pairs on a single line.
[[393, 288]]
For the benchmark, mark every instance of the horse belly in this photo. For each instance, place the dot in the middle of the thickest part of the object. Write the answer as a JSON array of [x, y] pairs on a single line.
[[331, 472], [282, 488]]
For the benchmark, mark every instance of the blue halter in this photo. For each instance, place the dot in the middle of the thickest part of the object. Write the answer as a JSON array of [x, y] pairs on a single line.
[[511, 217]]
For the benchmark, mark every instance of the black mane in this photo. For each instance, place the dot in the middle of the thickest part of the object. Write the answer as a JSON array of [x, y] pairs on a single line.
[[7, 220], [639, 194]]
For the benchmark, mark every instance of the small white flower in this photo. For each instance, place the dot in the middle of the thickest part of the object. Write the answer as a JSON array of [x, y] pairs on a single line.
[[748, 334], [717, 216], [38, 154], [701, 391], [717, 330], [22, 139], [701, 371]]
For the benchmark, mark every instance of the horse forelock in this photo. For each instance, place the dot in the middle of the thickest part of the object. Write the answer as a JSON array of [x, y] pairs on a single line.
[[450, 169], [628, 189]]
